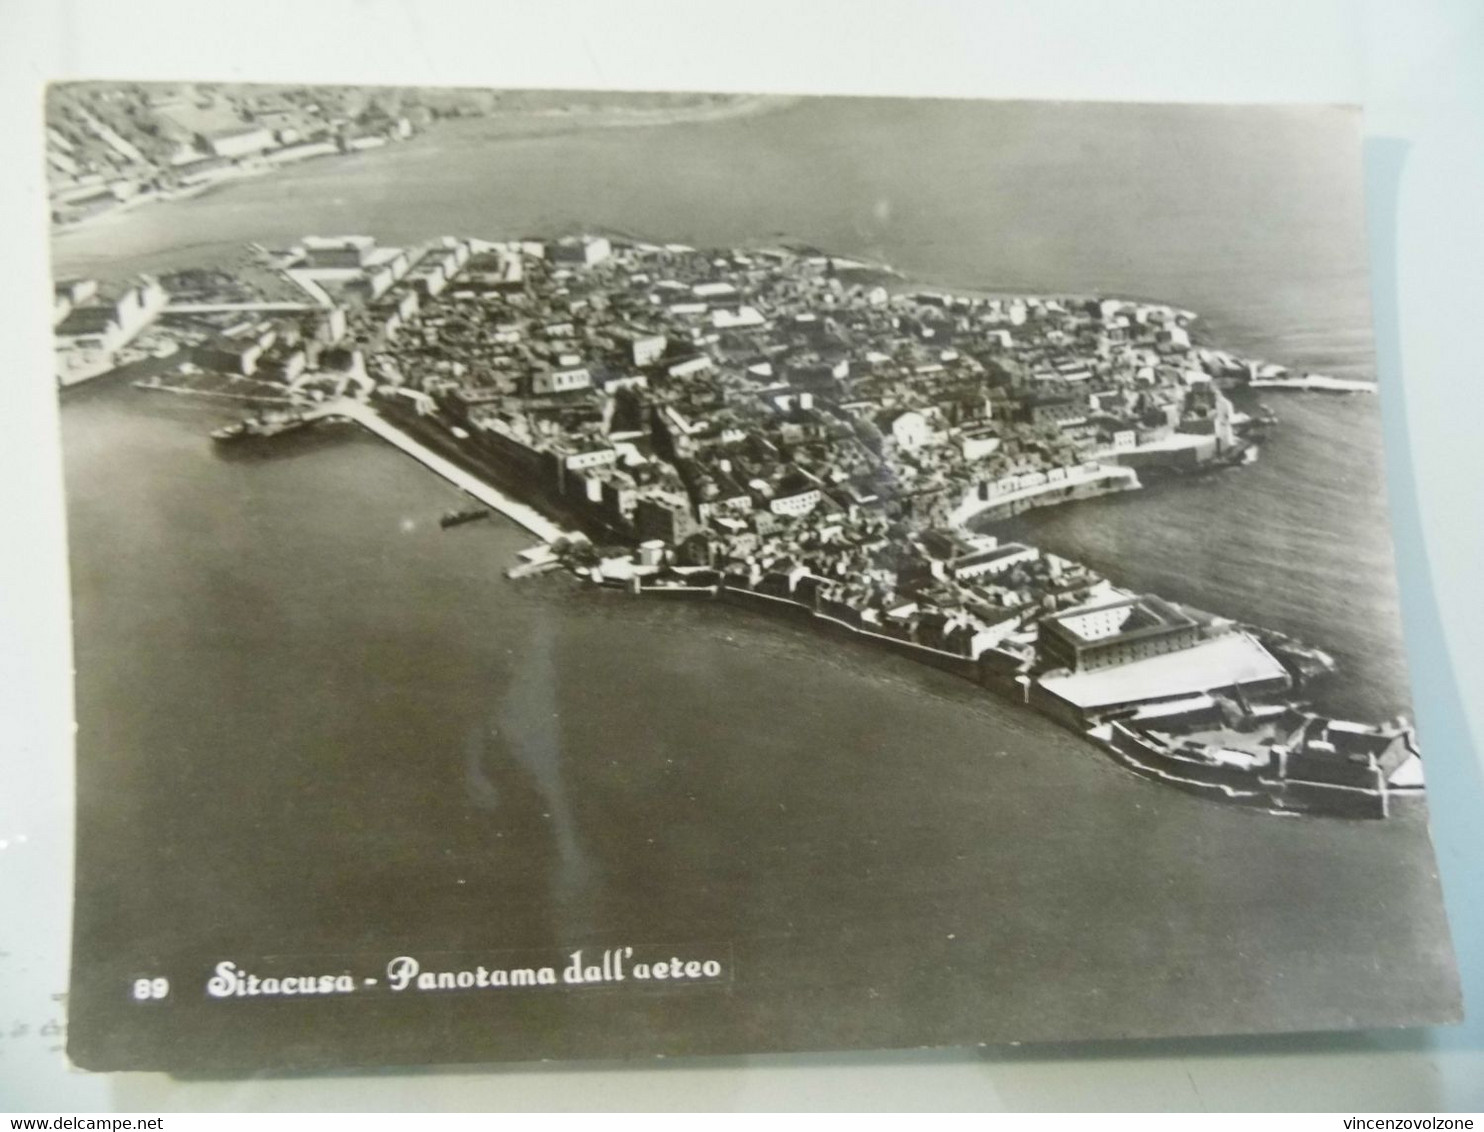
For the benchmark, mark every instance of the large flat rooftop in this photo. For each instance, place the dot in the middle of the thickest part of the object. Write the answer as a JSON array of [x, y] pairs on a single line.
[[1125, 618], [1235, 658]]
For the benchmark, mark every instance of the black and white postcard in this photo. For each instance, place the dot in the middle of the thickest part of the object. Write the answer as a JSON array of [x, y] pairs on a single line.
[[585, 575]]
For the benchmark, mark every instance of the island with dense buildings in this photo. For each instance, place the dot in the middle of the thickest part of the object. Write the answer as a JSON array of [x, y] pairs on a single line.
[[796, 433]]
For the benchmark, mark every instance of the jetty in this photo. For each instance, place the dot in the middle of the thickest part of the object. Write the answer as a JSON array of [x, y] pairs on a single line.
[[1314, 382], [373, 422]]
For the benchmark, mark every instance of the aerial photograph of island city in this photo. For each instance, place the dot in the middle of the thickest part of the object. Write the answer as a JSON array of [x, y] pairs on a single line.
[[798, 433], [778, 427], [849, 451]]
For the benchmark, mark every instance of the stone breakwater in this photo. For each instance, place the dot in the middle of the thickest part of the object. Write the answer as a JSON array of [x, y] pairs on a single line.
[[373, 422]]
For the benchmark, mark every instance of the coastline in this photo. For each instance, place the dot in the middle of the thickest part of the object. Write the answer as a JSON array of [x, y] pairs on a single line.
[[1008, 672], [498, 126], [552, 122], [557, 124], [1269, 789]]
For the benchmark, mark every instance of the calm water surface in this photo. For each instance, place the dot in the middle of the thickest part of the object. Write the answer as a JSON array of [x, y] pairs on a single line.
[[313, 722]]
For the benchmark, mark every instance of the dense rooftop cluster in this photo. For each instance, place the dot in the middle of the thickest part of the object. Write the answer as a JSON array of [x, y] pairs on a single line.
[[772, 410], [795, 432]]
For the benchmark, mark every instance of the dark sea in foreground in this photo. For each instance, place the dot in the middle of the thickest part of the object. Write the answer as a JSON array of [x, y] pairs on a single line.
[[311, 722]]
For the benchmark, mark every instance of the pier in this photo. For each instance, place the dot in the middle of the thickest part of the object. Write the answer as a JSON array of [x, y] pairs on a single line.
[[1314, 382], [369, 419]]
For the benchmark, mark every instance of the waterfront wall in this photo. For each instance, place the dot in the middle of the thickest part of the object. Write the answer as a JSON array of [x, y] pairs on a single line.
[[451, 464], [1336, 801], [1257, 787], [539, 473], [1150, 758], [968, 668], [1004, 674], [504, 470], [994, 670], [994, 507], [1169, 460], [1001, 673]]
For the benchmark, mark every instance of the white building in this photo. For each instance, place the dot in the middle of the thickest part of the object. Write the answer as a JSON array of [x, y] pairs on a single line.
[[561, 381], [89, 336], [910, 430], [241, 143], [584, 250], [648, 348], [796, 503], [978, 445], [338, 251], [592, 458], [693, 365]]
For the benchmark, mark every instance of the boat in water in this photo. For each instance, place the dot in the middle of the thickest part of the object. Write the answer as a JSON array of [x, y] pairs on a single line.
[[261, 428], [468, 515]]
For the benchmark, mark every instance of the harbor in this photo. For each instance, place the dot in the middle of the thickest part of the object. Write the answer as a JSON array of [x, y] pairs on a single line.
[[522, 514]]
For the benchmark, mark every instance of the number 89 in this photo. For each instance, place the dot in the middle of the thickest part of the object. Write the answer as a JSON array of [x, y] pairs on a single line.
[[147, 989]]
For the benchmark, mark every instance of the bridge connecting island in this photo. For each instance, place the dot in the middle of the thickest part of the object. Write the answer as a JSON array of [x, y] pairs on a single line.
[[804, 435]]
